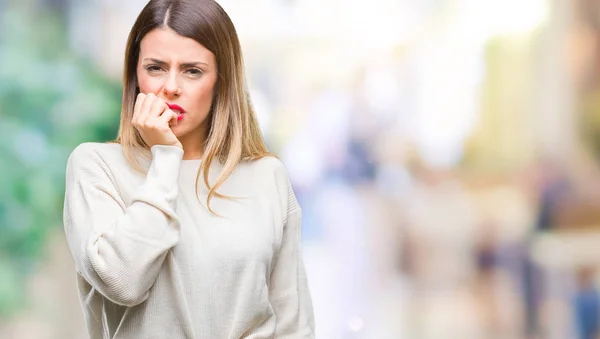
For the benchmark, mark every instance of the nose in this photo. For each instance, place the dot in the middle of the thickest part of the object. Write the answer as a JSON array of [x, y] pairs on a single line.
[[170, 86]]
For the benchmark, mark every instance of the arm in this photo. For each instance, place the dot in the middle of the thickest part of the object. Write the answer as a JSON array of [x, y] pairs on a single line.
[[289, 293], [119, 249]]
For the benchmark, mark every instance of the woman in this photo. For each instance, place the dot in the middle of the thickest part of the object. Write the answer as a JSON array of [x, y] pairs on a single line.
[[186, 227]]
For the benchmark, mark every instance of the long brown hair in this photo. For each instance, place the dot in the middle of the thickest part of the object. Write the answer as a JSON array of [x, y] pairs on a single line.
[[234, 134]]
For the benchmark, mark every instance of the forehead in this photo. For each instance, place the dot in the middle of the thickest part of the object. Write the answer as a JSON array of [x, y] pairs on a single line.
[[167, 45]]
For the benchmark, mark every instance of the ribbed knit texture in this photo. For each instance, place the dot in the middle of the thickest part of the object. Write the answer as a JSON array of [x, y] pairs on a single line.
[[153, 262]]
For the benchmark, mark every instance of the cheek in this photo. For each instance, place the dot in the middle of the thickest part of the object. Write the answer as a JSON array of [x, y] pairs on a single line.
[[148, 84], [203, 95]]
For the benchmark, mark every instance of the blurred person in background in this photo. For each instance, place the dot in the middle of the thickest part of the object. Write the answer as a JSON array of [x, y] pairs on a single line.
[[552, 190], [586, 304], [186, 226], [487, 266]]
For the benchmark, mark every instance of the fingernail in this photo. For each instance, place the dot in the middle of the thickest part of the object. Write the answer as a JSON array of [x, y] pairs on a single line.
[[179, 117]]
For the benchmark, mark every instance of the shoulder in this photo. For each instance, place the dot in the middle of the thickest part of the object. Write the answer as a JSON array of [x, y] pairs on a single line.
[[92, 156], [273, 172], [269, 168], [268, 163], [94, 150]]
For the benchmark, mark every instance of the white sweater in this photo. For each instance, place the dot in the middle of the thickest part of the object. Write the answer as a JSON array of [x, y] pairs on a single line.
[[153, 262]]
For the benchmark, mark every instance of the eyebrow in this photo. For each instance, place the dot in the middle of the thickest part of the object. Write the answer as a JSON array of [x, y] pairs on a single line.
[[185, 64]]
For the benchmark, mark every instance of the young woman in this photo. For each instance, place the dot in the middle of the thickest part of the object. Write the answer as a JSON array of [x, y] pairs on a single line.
[[186, 226]]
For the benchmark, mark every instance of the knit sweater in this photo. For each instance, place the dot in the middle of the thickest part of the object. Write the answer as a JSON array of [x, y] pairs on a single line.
[[153, 262]]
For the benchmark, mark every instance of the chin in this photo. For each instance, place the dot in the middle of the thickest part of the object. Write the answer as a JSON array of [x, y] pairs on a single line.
[[178, 131], [179, 134]]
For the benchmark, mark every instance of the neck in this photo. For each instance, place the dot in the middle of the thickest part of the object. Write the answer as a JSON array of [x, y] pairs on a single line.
[[193, 144]]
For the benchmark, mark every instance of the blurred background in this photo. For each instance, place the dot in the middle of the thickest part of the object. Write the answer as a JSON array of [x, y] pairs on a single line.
[[446, 154]]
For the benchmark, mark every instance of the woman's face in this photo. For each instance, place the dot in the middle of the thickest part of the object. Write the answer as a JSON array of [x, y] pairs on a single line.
[[182, 72]]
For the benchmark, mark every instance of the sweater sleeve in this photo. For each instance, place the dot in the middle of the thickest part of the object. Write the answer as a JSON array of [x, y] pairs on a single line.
[[289, 293], [119, 249]]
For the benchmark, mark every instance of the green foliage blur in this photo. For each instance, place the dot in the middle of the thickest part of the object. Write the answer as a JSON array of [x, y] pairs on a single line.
[[50, 101]]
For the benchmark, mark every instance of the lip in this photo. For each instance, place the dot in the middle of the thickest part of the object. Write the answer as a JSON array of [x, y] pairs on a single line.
[[174, 107]]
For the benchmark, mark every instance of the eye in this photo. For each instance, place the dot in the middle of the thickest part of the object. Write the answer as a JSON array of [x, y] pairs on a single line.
[[194, 72], [153, 68]]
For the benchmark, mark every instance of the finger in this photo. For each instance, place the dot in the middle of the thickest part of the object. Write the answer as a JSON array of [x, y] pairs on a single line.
[[137, 108], [167, 117], [146, 107], [158, 107]]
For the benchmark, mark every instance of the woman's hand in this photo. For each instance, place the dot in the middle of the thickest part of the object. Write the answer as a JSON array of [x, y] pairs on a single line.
[[153, 118]]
